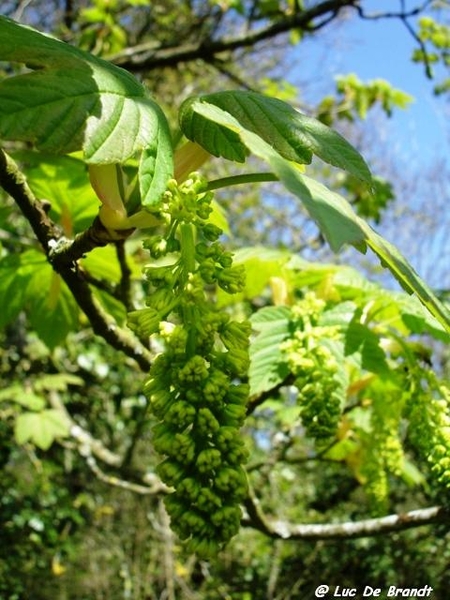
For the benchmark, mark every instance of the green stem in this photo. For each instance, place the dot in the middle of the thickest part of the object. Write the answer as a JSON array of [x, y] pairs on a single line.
[[188, 265], [240, 179]]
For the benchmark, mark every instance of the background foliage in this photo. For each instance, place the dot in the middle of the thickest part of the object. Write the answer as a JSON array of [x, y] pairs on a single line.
[[348, 412]]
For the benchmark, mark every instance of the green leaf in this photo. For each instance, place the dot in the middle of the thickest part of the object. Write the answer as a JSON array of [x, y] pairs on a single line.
[[156, 166], [64, 182], [52, 310], [57, 382], [333, 214], [14, 278], [292, 134], [73, 100], [208, 131], [103, 263], [28, 282], [16, 393], [41, 428], [267, 364], [359, 338], [407, 276]]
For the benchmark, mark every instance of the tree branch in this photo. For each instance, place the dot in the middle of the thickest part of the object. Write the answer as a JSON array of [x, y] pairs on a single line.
[[404, 15], [92, 449], [49, 236], [146, 57], [347, 530]]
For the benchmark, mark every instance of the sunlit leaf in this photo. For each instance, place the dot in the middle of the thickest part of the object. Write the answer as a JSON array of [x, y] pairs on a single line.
[[293, 135], [267, 365], [73, 100], [63, 181], [41, 428]]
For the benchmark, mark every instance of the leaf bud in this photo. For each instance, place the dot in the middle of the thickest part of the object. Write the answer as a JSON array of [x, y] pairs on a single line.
[[180, 414], [206, 422], [238, 394], [162, 438], [232, 479], [157, 246], [144, 322], [170, 471], [233, 415], [208, 460], [208, 501], [216, 386], [231, 279], [160, 402], [183, 446], [175, 506], [235, 334], [203, 547], [212, 232], [189, 488], [195, 370]]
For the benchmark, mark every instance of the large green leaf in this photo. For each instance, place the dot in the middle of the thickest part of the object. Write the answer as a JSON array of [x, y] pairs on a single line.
[[292, 134], [74, 100], [52, 309], [15, 273], [28, 283], [21, 395], [333, 214], [64, 182], [156, 166]]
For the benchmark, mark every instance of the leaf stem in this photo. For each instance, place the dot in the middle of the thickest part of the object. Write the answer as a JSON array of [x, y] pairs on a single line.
[[241, 179], [188, 266]]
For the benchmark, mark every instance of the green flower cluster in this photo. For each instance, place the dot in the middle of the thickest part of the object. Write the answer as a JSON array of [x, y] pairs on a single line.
[[194, 386], [382, 451], [429, 429], [315, 367]]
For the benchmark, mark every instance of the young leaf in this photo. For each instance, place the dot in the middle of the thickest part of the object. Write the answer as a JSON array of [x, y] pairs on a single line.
[[64, 182], [14, 278], [42, 428], [73, 100], [361, 339], [292, 134], [267, 366], [208, 131], [156, 166], [18, 394], [52, 310]]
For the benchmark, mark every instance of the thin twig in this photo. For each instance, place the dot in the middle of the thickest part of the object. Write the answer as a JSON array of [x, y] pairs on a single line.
[[147, 57], [49, 236], [125, 280]]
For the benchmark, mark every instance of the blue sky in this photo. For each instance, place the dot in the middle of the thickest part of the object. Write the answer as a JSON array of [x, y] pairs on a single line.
[[414, 139], [382, 49]]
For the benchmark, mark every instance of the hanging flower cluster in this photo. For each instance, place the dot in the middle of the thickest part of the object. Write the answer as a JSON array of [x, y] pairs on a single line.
[[194, 386], [315, 367]]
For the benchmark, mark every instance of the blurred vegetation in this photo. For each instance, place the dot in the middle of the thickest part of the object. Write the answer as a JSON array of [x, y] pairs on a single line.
[[81, 514]]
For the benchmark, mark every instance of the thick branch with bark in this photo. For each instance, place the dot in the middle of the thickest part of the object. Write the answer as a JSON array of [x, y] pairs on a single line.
[[146, 57], [52, 242], [351, 529]]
